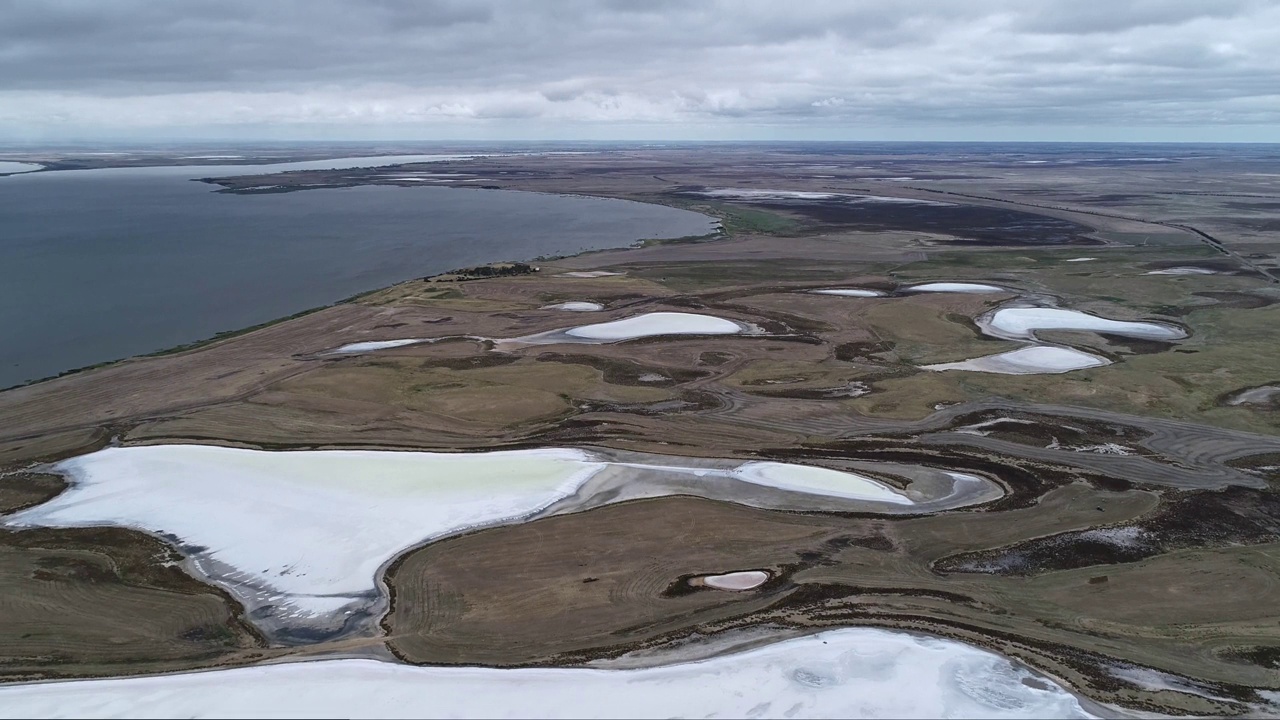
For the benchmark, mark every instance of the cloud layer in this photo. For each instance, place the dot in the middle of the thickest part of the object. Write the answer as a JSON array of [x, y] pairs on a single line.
[[665, 69]]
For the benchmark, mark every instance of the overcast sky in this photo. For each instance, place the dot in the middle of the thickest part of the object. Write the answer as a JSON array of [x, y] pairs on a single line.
[[642, 69]]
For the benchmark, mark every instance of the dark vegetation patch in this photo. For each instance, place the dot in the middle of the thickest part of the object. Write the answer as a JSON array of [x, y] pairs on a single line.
[[1266, 464], [1041, 431], [1220, 264], [864, 351], [1267, 656], [482, 272], [972, 224], [1242, 300], [1200, 519], [22, 490], [714, 358], [1065, 551], [689, 401], [1139, 346], [688, 302], [627, 372], [1252, 205]]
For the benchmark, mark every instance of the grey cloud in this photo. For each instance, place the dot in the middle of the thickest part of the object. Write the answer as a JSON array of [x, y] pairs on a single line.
[[1099, 17], [200, 63]]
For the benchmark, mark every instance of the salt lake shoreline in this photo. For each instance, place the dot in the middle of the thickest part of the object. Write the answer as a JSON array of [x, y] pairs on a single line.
[[716, 234]]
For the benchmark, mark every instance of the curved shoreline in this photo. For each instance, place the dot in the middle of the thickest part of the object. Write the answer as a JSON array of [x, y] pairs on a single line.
[[235, 332]]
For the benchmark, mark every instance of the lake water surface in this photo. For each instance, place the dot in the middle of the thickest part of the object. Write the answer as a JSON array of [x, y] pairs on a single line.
[[97, 265]]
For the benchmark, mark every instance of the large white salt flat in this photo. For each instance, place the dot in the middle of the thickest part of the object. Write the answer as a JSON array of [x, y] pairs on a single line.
[[819, 481], [849, 292], [1022, 323], [300, 536], [1034, 360], [955, 287], [308, 530], [575, 306], [657, 323], [856, 672]]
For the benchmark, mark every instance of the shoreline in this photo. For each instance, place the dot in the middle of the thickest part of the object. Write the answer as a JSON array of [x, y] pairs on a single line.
[[717, 233]]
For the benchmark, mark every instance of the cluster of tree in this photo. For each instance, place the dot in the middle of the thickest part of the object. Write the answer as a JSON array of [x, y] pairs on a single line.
[[488, 271]]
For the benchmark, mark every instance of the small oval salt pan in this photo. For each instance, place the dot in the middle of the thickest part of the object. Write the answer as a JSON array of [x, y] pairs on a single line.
[[1033, 360], [955, 287], [657, 323], [575, 306], [736, 581], [1183, 271], [849, 292], [588, 274]]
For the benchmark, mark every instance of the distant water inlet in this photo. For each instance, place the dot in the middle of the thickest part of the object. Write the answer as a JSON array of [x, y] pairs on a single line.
[[97, 265], [7, 167]]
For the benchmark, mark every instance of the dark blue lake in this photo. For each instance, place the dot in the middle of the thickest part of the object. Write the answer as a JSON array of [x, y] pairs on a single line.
[[97, 265]]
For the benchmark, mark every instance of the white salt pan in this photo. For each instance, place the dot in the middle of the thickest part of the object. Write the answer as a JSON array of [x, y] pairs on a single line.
[[855, 672], [575, 306], [588, 274], [1028, 361], [817, 480], [1082, 259], [1022, 323], [955, 287], [372, 345], [736, 581], [658, 323], [1183, 271], [1258, 395], [849, 292]]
